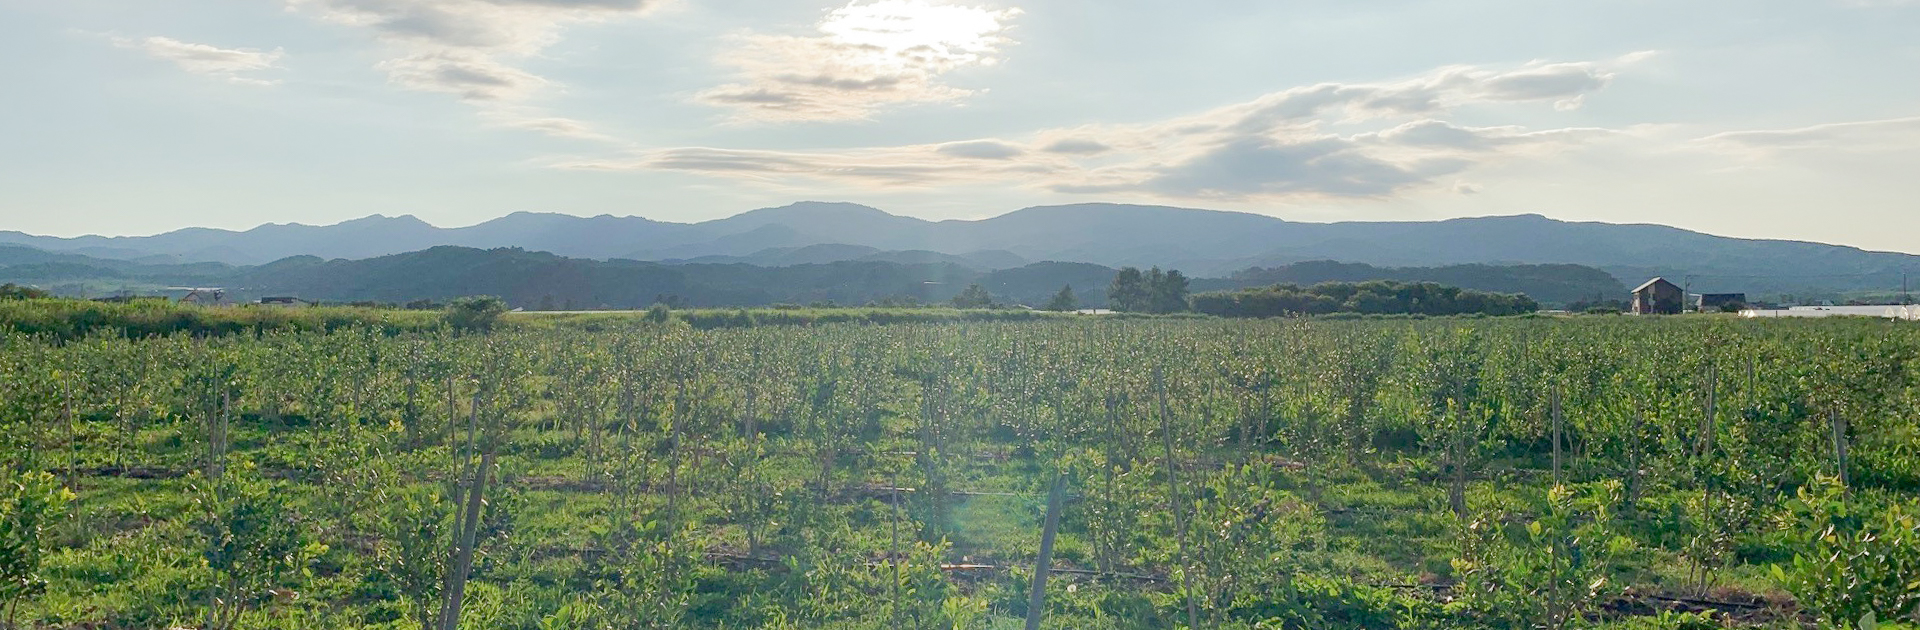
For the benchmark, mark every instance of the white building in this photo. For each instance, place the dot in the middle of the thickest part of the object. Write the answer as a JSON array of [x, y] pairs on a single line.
[[1910, 312]]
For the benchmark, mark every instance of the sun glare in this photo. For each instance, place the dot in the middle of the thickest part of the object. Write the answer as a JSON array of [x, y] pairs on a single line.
[[919, 33]]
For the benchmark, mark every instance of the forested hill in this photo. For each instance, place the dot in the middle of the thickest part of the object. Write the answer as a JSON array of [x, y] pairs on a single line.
[[540, 280]]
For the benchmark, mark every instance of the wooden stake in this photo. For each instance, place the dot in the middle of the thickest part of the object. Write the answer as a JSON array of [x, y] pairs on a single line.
[[893, 558], [1173, 494], [1839, 424], [1633, 454], [1037, 602], [1558, 432], [1713, 402]]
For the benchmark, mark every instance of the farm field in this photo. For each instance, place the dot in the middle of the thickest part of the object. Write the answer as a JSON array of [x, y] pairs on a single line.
[[1537, 472]]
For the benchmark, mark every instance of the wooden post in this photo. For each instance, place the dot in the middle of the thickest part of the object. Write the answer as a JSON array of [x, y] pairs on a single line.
[[1633, 455], [1173, 495], [453, 415], [893, 558], [217, 439], [1838, 423], [1558, 431], [1706, 421], [1037, 602], [1751, 385], [73, 433], [1457, 490], [752, 438]]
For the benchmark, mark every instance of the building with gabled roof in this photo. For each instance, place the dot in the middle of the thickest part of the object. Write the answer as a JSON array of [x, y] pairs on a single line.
[[1659, 297]]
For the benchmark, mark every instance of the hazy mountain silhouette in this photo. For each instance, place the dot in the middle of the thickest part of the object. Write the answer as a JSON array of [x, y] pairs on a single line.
[[1201, 242]]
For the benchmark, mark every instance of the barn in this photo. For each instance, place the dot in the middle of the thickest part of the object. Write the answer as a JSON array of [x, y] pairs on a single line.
[[1658, 297]]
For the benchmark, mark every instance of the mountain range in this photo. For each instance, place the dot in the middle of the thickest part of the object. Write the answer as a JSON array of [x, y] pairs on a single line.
[[1203, 243]]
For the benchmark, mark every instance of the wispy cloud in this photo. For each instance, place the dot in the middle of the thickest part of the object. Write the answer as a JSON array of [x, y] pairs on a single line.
[[494, 27], [232, 64], [471, 48], [1281, 145], [538, 122], [864, 57], [1868, 135], [471, 77]]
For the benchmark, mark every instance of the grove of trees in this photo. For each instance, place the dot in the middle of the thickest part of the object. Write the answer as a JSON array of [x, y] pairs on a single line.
[[1379, 297], [1151, 292], [1415, 474]]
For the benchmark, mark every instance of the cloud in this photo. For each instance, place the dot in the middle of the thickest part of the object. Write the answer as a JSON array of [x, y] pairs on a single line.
[[538, 122], [1870, 135], [471, 48], [981, 149], [500, 27], [1559, 82], [227, 63], [1277, 146], [865, 56], [902, 167], [471, 77], [1077, 146], [1257, 166], [1436, 134], [1444, 89]]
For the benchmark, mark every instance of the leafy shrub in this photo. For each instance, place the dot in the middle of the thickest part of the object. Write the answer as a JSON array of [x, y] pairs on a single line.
[[11, 291], [478, 313], [29, 501], [1550, 572], [1854, 564], [659, 313], [255, 543]]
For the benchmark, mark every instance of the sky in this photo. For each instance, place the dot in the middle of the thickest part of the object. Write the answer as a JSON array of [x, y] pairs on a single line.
[[1750, 118]]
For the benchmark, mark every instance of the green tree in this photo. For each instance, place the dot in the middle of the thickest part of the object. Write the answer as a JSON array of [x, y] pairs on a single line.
[[1129, 292], [1064, 301], [416, 533], [1852, 563], [30, 500], [975, 296], [478, 313], [659, 313], [1167, 291], [255, 542]]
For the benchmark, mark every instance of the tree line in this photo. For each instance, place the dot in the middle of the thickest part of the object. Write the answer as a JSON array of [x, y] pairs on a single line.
[[1379, 297]]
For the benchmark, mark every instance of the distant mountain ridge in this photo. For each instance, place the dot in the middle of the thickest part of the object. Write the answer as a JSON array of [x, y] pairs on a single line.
[[1201, 242]]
